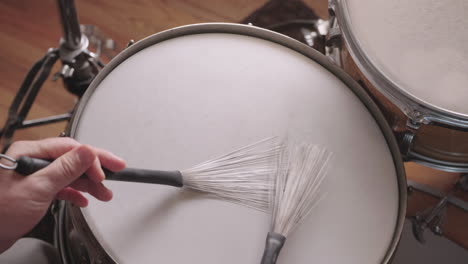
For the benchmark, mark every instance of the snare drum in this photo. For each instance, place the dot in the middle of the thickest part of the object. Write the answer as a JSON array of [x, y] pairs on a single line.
[[413, 58], [187, 94]]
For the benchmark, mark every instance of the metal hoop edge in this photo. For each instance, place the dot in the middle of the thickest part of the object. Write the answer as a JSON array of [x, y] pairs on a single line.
[[280, 39], [407, 102]]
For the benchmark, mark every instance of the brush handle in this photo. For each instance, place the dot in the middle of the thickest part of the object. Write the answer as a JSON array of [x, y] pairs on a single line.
[[28, 165], [274, 244]]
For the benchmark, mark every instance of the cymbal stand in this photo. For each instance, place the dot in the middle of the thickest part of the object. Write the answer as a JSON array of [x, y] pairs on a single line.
[[79, 67]]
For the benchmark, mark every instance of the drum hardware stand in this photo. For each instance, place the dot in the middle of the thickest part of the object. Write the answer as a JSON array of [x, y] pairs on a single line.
[[80, 66], [318, 34], [314, 31], [412, 126], [333, 39], [292, 18], [25, 97], [433, 218]]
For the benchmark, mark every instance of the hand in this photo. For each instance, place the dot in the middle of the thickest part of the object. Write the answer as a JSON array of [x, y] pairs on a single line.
[[24, 200]]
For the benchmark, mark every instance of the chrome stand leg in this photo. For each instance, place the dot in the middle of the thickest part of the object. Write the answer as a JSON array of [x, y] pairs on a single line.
[[432, 219]]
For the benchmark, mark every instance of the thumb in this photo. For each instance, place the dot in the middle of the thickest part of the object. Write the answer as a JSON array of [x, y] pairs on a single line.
[[66, 169]]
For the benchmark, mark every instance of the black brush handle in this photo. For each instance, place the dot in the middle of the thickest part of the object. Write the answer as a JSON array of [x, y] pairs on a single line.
[[28, 165], [274, 244], [172, 178]]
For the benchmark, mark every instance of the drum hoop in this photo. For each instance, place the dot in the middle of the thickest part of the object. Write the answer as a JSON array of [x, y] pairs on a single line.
[[248, 30], [407, 102], [437, 164]]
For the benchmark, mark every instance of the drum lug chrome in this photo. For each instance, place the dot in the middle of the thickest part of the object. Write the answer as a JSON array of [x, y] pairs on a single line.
[[412, 124], [322, 26], [415, 120], [65, 72], [406, 143], [130, 42], [318, 33], [433, 218], [332, 7], [334, 38]]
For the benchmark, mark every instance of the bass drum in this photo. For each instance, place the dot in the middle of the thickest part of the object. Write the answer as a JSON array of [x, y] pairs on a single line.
[[187, 94]]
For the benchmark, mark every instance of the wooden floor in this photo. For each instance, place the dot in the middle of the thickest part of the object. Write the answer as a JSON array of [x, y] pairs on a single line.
[[29, 28]]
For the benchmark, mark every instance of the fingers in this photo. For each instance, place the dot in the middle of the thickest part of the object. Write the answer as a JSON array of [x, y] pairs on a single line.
[[72, 195], [104, 159], [97, 190], [50, 148], [71, 161], [53, 148], [110, 161], [64, 170], [95, 173]]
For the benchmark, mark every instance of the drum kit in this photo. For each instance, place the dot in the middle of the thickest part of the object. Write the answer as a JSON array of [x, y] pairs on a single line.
[[390, 88]]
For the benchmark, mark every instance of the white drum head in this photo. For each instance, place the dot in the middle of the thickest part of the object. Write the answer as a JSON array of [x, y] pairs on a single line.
[[418, 45], [184, 100]]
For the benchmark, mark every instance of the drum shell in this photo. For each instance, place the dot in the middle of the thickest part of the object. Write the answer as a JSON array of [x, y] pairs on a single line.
[[97, 253], [75, 240], [432, 138], [429, 141], [438, 142]]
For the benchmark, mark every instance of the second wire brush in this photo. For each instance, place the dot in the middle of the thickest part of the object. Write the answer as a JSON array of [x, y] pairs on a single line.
[[301, 171]]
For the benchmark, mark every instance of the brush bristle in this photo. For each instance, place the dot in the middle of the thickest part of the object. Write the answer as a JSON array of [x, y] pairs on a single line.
[[301, 172], [242, 176]]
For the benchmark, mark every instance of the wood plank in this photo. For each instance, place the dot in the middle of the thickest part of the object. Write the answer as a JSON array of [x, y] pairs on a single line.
[[29, 28]]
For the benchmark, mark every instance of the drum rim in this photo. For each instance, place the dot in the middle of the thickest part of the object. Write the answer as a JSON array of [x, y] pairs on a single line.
[[249, 30], [413, 107], [407, 103]]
